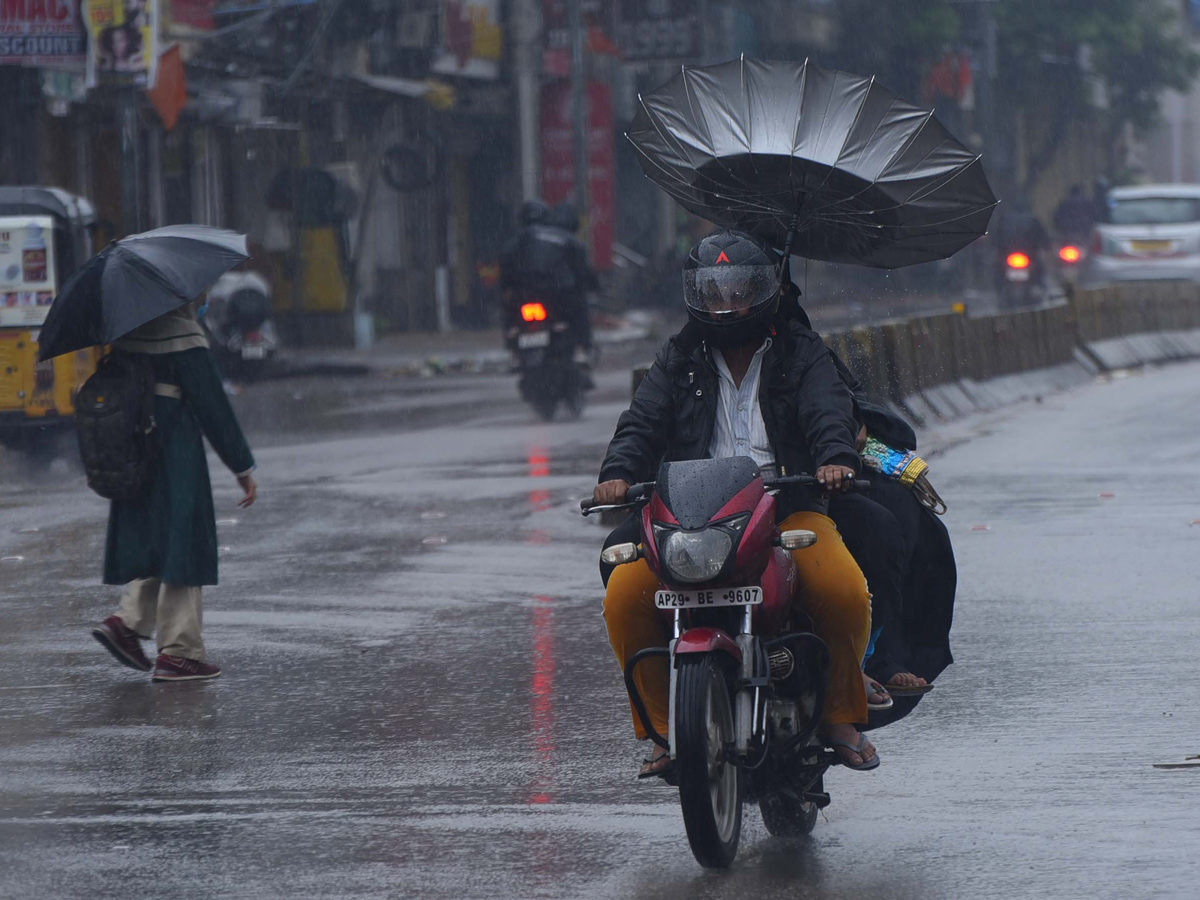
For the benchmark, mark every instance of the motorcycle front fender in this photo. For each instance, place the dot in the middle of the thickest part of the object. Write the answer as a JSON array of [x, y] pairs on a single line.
[[707, 640]]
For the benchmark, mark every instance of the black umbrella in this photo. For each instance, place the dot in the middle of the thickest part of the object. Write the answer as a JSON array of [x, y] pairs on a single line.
[[830, 165], [134, 280]]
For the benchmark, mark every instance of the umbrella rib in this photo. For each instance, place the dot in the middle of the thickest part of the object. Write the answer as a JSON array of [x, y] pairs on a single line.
[[824, 118]]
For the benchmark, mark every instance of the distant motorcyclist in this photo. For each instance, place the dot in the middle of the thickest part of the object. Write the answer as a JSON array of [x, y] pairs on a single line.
[[548, 261], [1074, 216], [1021, 231]]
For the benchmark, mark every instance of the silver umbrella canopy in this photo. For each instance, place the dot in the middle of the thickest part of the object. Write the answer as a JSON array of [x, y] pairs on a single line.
[[827, 164]]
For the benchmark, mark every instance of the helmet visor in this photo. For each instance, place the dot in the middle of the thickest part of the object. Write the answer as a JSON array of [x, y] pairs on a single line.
[[721, 290]]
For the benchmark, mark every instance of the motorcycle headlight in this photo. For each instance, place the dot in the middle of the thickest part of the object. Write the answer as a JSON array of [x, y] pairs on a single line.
[[695, 556]]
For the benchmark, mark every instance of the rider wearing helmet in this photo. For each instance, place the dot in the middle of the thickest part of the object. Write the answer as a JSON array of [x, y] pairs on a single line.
[[548, 262], [742, 379]]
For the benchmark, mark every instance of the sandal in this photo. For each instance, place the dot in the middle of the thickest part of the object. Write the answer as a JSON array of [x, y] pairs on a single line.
[[657, 767], [860, 749], [909, 690], [874, 687]]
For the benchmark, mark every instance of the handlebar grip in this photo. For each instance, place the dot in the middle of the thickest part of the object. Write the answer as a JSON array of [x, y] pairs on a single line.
[[637, 493]]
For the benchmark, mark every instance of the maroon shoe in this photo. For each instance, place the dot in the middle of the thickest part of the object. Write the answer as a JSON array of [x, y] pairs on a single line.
[[121, 642], [177, 668]]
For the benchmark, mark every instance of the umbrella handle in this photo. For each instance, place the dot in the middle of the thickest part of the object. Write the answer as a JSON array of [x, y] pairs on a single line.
[[785, 270]]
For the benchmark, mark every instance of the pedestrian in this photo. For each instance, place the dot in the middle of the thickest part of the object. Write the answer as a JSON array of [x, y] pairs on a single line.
[[163, 547]]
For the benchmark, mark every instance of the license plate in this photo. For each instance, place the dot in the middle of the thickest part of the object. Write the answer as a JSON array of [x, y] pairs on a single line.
[[534, 339], [1150, 246], [254, 351], [1018, 274], [742, 596]]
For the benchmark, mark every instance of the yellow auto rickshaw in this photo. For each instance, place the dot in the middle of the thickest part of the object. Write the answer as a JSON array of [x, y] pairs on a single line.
[[44, 237]]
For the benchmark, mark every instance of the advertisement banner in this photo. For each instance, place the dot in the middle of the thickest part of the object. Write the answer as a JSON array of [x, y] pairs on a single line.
[[195, 15], [558, 162], [27, 283], [556, 32], [41, 33], [658, 29], [124, 41], [472, 39]]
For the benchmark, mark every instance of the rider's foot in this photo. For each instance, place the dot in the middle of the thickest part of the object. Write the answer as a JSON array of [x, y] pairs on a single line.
[[877, 695], [849, 734], [907, 679], [658, 762]]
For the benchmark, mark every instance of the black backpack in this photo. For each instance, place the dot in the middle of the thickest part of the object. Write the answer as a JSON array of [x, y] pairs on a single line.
[[114, 420]]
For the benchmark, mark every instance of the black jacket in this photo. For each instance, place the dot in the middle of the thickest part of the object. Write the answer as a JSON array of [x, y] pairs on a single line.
[[807, 408]]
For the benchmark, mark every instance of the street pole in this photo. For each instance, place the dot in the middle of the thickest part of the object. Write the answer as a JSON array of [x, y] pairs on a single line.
[[131, 194], [579, 109], [525, 26]]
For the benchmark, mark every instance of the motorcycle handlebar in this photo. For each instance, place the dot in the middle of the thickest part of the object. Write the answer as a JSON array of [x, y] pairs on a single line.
[[857, 485], [635, 496], [640, 493]]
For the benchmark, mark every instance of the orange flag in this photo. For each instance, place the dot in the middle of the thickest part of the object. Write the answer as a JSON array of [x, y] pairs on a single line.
[[169, 94]]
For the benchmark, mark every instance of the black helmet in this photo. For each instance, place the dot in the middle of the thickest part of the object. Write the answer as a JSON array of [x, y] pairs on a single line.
[[731, 286], [533, 212], [565, 216]]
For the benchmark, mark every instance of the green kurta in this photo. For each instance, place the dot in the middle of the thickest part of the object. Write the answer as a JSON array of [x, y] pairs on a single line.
[[172, 533]]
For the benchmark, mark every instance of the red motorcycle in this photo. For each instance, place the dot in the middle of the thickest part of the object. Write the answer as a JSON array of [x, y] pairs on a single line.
[[748, 676]]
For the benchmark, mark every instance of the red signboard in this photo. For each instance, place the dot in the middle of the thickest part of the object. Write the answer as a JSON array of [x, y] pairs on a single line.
[[41, 32], [196, 14], [558, 161]]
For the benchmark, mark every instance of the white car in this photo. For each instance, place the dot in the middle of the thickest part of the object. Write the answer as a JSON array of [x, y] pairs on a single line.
[[1151, 233]]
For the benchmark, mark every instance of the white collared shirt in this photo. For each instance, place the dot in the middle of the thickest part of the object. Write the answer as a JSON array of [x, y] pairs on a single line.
[[740, 429]]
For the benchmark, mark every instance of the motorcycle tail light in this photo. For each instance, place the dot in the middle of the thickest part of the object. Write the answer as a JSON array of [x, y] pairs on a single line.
[[1017, 261], [43, 376], [1070, 254], [533, 312]]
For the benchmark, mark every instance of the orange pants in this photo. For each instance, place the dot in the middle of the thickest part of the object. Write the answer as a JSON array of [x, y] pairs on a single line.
[[834, 594]]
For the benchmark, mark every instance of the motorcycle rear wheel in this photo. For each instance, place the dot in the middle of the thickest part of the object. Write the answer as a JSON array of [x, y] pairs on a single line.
[[786, 816], [710, 785]]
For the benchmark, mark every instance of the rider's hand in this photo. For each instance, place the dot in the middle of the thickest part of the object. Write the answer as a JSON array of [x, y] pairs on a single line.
[[835, 478], [610, 493], [249, 491]]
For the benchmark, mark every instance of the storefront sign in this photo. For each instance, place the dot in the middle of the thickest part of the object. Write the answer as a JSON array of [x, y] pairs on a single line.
[[193, 14], [41, 33], [558, 162], [27, 283], [556, 31], [124, 38], [472, 39], [658, 29]]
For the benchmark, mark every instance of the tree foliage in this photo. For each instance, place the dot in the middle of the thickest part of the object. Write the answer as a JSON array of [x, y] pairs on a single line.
[[1136, 48]]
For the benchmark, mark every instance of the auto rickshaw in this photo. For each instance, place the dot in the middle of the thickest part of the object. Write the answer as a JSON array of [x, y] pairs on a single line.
[[44, 238]]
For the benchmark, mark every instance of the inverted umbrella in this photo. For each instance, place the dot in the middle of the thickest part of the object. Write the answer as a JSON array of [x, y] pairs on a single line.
[[134, 280], [826, 164]]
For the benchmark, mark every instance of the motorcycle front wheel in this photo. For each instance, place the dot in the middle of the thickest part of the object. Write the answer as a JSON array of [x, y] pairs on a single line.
[[710, 783]]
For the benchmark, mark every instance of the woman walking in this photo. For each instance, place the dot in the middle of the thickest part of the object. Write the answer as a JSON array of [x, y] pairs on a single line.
[[164, 546]]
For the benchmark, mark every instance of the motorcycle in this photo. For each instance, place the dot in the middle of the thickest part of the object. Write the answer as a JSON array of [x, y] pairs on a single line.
[[238, 319], [748, 676], [553, 371]]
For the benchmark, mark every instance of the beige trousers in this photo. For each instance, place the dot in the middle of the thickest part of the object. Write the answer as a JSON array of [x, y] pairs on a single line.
[[176, 609]]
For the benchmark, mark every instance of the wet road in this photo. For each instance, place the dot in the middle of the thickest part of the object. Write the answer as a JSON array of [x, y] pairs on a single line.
[[419, 701]]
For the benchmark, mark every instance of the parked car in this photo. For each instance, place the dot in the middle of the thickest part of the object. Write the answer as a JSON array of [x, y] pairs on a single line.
[[1150, 233]]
